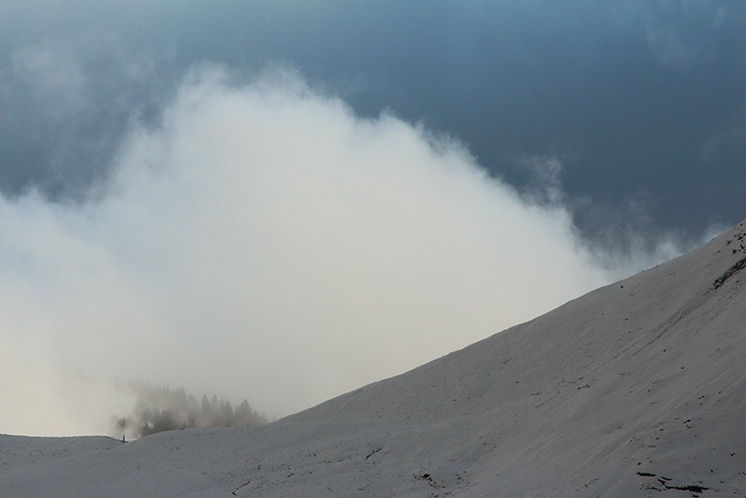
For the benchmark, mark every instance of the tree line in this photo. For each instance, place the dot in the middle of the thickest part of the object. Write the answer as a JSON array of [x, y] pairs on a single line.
[[163, 409]]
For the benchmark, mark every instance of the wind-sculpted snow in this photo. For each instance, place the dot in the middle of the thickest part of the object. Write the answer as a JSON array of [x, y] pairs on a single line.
[[635, 389]]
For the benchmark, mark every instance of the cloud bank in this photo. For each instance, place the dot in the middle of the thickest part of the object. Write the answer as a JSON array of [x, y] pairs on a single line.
[[643, 98], [265, 242]]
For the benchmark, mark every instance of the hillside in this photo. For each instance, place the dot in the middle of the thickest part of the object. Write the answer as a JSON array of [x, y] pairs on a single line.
[[635, 389]]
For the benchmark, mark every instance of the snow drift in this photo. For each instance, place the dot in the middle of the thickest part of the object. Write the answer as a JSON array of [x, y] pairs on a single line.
[[635, 389]]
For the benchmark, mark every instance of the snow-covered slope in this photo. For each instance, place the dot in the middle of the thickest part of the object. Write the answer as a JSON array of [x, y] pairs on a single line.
[[635, 389]]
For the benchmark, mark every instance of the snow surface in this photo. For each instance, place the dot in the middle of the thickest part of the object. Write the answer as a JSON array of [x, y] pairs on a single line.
[[635, 389]]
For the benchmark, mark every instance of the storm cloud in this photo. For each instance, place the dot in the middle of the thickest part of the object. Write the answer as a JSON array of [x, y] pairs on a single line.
[[267, 242], [643, 100], [286, 200]]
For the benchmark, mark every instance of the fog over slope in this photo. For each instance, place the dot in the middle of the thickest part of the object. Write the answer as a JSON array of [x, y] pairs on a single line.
[[265, 242], [635, 389]]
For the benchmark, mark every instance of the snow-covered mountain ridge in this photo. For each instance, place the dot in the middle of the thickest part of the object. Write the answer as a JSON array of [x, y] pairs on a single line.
[[635, 389]]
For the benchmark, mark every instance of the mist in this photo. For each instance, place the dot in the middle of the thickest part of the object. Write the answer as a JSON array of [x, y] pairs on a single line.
[[261, 240]]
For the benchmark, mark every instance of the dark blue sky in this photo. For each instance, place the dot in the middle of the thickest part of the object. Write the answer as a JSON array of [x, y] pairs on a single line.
[[643, 102]]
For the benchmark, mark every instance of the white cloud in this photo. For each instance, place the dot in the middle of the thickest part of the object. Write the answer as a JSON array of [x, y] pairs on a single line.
[[266, 242]]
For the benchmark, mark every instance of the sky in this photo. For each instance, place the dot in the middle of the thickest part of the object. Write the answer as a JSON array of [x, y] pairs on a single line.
[[285, 200]]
